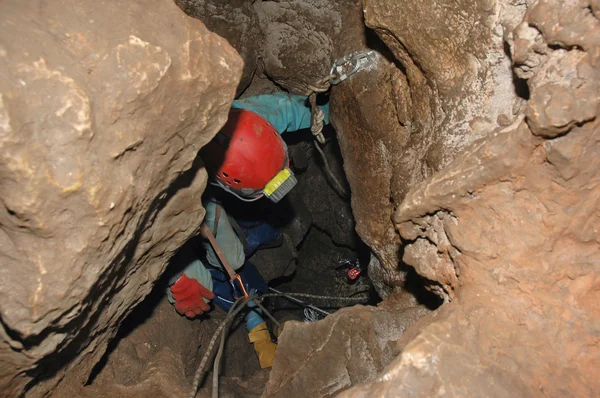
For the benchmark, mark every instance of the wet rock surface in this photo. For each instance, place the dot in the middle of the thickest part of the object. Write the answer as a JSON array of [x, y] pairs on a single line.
[[101, 114]]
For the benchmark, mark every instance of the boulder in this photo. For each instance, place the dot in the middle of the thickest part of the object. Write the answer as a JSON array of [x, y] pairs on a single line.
[[103, 108], [237, 22], [349, 347]]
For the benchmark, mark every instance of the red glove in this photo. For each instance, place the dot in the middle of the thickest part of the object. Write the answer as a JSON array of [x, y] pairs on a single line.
[[189, 296]]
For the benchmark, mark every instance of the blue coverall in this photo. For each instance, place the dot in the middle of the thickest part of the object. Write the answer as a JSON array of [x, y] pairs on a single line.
[[285, 112]]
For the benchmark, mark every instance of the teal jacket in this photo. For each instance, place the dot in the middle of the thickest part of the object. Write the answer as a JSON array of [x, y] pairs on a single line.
[[285, 112]]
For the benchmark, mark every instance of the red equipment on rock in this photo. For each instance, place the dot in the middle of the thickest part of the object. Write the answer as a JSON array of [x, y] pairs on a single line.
[[249, 159]]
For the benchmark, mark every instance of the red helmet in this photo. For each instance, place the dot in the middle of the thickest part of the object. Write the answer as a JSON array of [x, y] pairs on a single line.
[[249, 159]]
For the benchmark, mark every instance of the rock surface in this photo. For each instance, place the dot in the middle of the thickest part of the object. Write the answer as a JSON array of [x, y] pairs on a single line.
[[447, 82], [302, 38], [349, 347], [442, 80], [159, 352], [235, 21], [101, 114], [508, 233]]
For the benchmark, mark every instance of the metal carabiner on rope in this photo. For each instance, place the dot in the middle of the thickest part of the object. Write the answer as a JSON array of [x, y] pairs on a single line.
[[238, 278], [233, 276], [350, 64]]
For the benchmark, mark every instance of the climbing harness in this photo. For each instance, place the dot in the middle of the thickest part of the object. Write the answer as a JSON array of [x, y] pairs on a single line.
[[341, 69]]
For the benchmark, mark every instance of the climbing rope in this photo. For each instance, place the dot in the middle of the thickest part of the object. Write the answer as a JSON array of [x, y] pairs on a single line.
[[316, 127], [317, 114], [217, 365], [235, 309], [340, 71]]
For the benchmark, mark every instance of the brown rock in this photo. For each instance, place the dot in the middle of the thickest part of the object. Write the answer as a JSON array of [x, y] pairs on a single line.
[[506, 232], [514, 218], [521, 320], [235, 21], [555, 109], [101, 112], [302, 39], [351, 346], [368, 137], [404, 119]]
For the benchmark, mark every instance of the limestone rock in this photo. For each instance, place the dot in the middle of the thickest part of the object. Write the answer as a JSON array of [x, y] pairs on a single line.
[[442, 80], [361, 109], [506, 233], [303, 38], [102, 111], [235, 21], [521, 320], [351, 346], [448, 85]]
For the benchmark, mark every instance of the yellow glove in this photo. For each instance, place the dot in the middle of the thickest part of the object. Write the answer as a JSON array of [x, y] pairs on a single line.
[[264, 347]]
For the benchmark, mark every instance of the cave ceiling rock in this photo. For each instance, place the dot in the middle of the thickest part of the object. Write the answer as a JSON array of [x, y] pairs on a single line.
[[237, 22], [103, 107]]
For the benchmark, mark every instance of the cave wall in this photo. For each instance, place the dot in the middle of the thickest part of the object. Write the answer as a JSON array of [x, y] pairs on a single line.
[[103, 107], [485, 185], [442, 79], [446, 83], [506, 231]]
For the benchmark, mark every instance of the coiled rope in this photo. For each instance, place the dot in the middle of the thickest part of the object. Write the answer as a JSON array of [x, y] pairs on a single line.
[[235, 309]]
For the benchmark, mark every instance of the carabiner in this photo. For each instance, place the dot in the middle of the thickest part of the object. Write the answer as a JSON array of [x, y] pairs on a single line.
[[350, 64], [242, 287]]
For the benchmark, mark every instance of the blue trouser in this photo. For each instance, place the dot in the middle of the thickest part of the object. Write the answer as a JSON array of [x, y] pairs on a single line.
[[225, 293], [257, 233]]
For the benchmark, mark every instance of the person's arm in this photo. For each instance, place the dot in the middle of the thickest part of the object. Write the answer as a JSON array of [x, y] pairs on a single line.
[[286, 112], [226, 238]]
